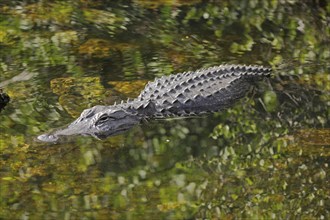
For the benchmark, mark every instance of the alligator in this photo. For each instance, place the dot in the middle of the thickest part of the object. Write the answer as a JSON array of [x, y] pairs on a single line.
[[177, 95]]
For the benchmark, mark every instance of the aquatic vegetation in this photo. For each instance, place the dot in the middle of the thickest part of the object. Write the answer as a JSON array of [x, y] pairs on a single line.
[[231, 165]]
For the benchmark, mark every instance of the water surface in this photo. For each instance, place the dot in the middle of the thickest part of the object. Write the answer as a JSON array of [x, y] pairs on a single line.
[[267, 157]]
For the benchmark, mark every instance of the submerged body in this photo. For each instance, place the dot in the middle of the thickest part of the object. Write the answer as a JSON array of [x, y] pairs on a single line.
[[183, 94]]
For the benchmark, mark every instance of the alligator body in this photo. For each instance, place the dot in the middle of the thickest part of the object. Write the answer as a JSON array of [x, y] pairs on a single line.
[[184, 94]]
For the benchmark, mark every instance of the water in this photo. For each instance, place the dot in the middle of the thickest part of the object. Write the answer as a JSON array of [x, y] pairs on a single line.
[[265, 157]]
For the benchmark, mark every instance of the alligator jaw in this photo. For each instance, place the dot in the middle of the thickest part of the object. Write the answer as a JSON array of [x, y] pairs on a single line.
[[55, 136], [70, 130]]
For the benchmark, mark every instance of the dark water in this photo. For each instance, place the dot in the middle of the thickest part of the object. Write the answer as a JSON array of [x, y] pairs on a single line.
[[267, 157]]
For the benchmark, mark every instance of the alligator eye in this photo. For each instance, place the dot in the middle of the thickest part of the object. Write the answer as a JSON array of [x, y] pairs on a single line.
[[103, 118]]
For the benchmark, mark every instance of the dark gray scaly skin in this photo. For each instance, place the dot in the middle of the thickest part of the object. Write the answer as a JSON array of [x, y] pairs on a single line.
[[184, 94]]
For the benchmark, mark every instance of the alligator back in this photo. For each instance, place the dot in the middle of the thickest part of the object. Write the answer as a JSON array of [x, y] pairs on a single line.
[[201, 91]]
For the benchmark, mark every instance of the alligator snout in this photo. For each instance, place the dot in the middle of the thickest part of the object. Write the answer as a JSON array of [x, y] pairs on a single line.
[[48, 138]]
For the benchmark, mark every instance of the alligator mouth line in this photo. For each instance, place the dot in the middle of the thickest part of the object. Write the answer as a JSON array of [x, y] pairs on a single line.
[[55, 137], [104, 136]]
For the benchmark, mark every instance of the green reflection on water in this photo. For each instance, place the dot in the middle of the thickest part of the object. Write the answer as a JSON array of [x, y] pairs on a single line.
[[266, 157]]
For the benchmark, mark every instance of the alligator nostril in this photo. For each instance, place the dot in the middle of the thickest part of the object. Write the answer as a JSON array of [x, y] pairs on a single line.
[[48, 138]]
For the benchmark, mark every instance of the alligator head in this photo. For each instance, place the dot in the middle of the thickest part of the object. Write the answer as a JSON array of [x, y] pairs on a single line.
[[98, 121]]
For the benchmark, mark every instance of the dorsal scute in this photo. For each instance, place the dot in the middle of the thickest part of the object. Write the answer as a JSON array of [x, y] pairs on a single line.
[[212, 86], [177, 83]]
